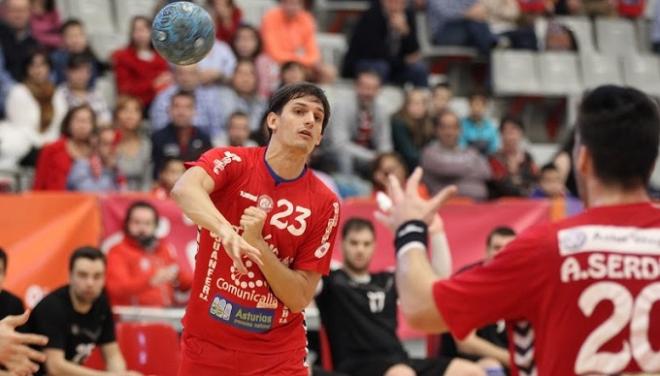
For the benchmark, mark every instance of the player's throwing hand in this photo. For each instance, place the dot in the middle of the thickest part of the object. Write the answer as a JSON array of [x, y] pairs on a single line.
[[237, 247], [252, 222]]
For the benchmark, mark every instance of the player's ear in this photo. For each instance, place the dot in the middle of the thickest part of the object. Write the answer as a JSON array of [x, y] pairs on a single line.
[[272, 121], [583, 162]]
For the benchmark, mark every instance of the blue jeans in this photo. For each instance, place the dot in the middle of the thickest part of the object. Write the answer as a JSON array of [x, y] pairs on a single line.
[[466, 33], [416, 73]]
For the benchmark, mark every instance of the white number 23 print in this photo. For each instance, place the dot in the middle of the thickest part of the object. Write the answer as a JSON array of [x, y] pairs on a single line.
[[282, 220]]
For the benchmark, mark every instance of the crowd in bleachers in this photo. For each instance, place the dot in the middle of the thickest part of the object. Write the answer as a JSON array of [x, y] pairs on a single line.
[[389, 90]]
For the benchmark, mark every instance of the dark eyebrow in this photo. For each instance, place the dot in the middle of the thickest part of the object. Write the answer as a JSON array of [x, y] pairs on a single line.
[[305, 105]]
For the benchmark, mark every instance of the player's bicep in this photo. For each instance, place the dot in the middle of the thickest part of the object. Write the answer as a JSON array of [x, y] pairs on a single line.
[[197, 176]]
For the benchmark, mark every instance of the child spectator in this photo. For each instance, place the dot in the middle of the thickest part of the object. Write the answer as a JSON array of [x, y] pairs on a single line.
[[550, 184], [133, 145], [478, 131], [247, 44], [75, 42], [172, 170]]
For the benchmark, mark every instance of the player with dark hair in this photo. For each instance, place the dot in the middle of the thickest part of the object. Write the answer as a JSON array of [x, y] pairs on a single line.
[[76, 318], [267, 228], [587, 286]]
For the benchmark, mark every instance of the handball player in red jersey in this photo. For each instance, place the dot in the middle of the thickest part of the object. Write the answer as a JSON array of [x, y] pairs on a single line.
[[581, 296], [267, 228]]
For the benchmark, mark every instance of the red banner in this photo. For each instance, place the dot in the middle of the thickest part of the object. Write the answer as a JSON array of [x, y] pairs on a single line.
[[39, 231], [173, 226]]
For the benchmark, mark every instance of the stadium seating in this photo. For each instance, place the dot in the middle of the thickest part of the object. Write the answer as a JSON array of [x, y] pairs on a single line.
[[582, 29], [616, 36], [125, 10], [559, 73], [254, 10], [642, 72], [96, 14], [515, 73], [598, 69], [152, 348], [332, 47], [430, 51]]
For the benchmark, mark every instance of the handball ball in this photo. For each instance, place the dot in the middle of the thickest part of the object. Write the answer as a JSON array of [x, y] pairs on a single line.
[[183, 33]]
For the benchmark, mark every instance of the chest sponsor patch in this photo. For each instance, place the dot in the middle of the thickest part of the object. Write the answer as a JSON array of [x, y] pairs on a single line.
[[256, 320]]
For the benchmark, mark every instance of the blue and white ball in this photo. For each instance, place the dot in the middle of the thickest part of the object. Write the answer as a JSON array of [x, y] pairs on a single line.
[[183, 33]]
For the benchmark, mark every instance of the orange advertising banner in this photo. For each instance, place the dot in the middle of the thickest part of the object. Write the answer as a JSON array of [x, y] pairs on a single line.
[[39, 231]]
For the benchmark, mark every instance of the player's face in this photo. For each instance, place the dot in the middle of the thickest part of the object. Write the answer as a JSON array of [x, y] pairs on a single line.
[[358, 247], [87, 279], [300, 124], [142, 223], [497, 243]]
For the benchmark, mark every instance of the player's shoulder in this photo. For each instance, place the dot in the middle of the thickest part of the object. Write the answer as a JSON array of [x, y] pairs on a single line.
[[53, 301], [10, 299], [233, 156]]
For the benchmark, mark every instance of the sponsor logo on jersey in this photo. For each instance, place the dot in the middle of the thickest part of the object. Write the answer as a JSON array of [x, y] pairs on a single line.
[[615, 239], [220, 164], [255, 320], [322, 250], [249, 196], [210, 269], [332, 222], [265, 203], [572, 240]]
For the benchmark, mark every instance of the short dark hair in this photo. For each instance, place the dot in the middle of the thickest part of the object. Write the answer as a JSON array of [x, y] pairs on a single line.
[[289, 65], [86, 252], [508, 119], [3, 257], [620, 126], [236, 114], [39, 51], [141, 205], [254, 31], [548, 167], [441, 85], [68, 118], [368, 72], [79, 60], [356, 224], [499, 231], [71, 22], [478, 94], [183, 93], [287, 93]]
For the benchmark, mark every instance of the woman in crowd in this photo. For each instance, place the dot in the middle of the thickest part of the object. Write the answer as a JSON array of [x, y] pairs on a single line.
[[412, 127], [247, 45], [55, 160], [227, 18], [139, 70], [30, 107], [133, 146]]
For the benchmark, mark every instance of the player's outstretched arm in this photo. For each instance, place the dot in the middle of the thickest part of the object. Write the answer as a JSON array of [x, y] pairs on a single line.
[[411, 216], [191, 193]]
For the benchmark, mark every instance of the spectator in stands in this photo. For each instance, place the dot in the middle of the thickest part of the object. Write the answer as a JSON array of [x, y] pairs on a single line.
[[10, 304], [171, 171], [209, 108], [503, 17], [15, 36], [99, 172], [45, 23], [227, 18], [391, 163], [441, 95], [478, 131], [490, 341], [218, 66], [550, 184], [446, 161], [289, 34], [360, 128], [291, 73], [139, 70], [559, 37], [143, 269], [461, 23], [631, 8], [31, 107], [242, 96], [359, 312], [75, 91], [6, 82], [180, 138], [385, 40], [514, 170], [55, 159], [247, 45], [655, 30], [133, 145], [76, 318], [238, 131], [75, 42], [563, 161], [412, 127]]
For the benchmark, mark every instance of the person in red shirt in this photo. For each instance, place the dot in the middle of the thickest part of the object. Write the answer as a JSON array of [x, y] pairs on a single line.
[[227, 17], [139, 70], [580, 295], [142, 269], [55, 159], [267, 228]]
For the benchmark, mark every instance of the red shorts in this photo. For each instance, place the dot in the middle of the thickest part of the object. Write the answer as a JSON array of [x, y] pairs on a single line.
[[202, 358]]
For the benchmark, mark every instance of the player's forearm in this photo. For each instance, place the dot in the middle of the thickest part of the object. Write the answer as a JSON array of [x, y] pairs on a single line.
[[440, 255], [196, 204], [475, 345], [414, 282], [116, 363], [63, 367], [288, 285]]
